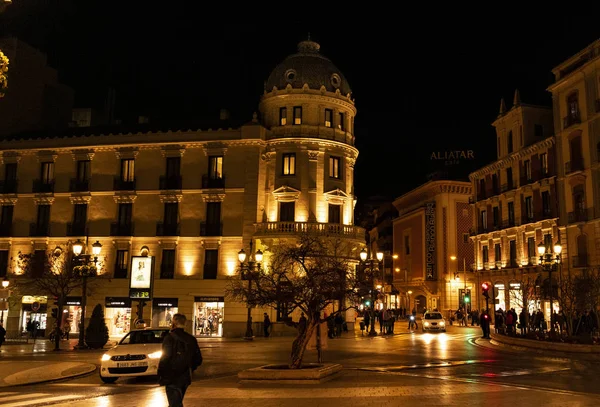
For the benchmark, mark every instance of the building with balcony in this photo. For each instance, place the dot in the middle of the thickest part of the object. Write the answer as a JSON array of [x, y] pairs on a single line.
[[515, 202], [434, 252], [191, 197], [576, 106]]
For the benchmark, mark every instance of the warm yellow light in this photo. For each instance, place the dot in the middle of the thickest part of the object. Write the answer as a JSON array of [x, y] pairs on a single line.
[[409, 292], [242, 256], [189, 267], [541, 249], [379, 286], [230, 268], [397, 269], [77, 247], [557, 248], [379, 256], [363, 254], [96, 248], [5, 282], [258, 256], [394, 256], [452, 258]]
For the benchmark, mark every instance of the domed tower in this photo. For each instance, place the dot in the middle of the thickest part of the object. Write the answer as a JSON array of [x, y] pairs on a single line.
[[309, 113]]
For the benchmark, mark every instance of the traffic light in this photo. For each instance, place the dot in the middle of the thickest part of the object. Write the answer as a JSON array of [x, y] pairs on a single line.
[[485, 287], [55, 313], [467, 299]]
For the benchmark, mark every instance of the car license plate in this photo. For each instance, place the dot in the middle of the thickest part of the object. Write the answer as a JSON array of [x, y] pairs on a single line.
[[131, 364]]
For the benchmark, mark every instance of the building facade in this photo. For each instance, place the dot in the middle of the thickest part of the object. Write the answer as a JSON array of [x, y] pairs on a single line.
[[434, 255], [187, 199]]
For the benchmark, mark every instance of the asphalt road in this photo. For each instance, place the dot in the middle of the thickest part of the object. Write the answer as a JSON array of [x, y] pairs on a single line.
[[407, 369]]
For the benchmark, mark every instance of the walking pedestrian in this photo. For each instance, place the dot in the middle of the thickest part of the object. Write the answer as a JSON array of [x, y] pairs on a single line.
[[2, 335], [266, 325], [180, 357]]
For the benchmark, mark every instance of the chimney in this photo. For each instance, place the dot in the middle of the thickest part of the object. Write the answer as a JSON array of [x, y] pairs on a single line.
[[224, 114]]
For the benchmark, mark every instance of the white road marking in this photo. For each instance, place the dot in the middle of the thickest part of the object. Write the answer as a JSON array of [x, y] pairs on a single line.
[[22, 396], [39, 400]]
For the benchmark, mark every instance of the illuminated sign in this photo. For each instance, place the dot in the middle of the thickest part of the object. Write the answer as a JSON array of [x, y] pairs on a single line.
[[452, 157], [430, 240], [140, 272]]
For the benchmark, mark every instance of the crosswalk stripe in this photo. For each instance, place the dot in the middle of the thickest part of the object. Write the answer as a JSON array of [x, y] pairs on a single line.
[[22, 396], [39, 401], [6, 393]]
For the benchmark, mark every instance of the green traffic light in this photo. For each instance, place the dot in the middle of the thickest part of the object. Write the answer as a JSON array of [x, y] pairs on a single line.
[[467, 299]]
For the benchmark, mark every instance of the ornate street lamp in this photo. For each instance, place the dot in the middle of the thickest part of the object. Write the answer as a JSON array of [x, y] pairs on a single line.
[[550, 262], [248, 271], [85, 269], [5, 284], [372, 264]]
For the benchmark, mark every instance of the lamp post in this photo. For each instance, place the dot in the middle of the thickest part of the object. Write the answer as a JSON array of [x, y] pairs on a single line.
[[84, 262], [550, 262], [409, 293], [381, 259], [5, 284], [248, 270], [372, 265]]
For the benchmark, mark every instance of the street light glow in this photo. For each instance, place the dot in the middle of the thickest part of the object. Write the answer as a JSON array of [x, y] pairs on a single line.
[[77, 247]]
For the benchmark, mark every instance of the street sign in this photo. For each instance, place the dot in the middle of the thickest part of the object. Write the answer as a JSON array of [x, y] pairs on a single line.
[[3, 305], [35, 306]]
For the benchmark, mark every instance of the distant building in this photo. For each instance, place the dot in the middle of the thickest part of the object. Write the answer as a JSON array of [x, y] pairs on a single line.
[[88, 117], [34, 100], [434, 252]]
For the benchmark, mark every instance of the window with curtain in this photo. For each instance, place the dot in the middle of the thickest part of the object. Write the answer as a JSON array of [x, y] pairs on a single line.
[[121, 264], [215, 167], [167, 266], [127, 170], [211, 262], [289, 164]]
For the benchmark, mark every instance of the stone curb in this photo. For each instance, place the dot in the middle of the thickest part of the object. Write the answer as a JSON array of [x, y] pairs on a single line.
[[87, 368], [545, 346]]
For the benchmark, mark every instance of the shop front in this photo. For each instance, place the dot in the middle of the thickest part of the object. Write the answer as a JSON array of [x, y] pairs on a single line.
[[118, 315], [163, 310], [71, 317], [33, 315], [208, 316]]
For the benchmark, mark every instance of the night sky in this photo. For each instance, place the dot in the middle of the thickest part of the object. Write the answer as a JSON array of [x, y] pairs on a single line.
[[423, 80]]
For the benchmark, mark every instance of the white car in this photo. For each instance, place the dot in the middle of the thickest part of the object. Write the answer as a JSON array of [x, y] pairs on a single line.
[[137, 354], [433, 321]]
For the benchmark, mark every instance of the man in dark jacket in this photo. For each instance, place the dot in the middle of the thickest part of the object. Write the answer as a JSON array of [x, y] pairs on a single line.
[[180, 357]]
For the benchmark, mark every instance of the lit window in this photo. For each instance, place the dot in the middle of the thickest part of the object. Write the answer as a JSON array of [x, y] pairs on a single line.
[[334, 167], [328, 118], [289, 164], [282, 116], [341, 123], [215, 167], [298, 115]]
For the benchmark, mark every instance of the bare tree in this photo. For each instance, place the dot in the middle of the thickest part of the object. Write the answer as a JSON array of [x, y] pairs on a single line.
[[525, 294], [53, 274], [309, 275], [3, 73]]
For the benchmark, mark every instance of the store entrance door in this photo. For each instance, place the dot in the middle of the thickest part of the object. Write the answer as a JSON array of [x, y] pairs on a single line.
[[209, 314]]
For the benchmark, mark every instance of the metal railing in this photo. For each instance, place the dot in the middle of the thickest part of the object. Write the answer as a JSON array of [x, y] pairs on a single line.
[[571, 119], [78, 185], [274, 228], [121, 229], [9, 186], [211, 229], [580, 260], [572, 166], [40, 186], [76, 229], [212, 182], [37, 230], [171, 182], [167, 229], [120, 185]]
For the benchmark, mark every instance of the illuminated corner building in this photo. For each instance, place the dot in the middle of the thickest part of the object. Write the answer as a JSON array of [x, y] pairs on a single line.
[[193, 194], [34, 99], [515, 202], [432, 226], [576, 103]]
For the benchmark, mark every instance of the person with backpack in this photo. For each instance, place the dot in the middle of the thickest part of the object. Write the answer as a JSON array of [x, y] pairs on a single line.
[[180, 357]]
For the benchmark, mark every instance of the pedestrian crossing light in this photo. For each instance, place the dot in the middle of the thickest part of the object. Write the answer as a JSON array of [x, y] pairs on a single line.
[[485, 287], [467, 299]]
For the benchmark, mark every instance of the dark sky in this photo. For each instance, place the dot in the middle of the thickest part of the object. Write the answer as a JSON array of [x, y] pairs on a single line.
[[423, 80]]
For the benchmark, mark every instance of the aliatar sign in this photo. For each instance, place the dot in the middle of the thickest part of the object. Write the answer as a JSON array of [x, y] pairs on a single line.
[[452, 157]]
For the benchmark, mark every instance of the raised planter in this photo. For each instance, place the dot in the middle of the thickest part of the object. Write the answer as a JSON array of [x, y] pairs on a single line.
[[544, 345], [310, 373]]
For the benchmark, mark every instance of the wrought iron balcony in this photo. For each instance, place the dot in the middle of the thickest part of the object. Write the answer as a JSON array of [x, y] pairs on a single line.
[[170, 182], [36, 230], [41, 186], [167, 271], [78, 185], [212, 182], [507, 187], [120, 185], [9, 186], [282, 228], [121, 229], [211, 229], [571, 119], [572, 166], [120, 271], [167, 229], [579, 215], [580, 260], [76, 229]]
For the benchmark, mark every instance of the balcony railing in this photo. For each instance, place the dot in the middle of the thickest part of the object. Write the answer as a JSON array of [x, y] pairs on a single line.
[[36, 229], [579, 215], [528, 218], [120, 271], [507, 187], [211, 182], [40, 186], [8, 186], [76, 229], [211, 229], [274, 228], [508, 224], [78, 185], [167, 271], [572, 166], [171, 182], [120, 185], [121, 229], [571, 119], [580, 260], [167, 229], [5, 229]]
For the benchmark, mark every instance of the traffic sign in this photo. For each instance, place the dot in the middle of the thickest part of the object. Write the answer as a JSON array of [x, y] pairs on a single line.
[[35, 306]]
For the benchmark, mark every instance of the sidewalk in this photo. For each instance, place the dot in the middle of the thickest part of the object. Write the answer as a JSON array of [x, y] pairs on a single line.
[[29, 372], [41, 345]]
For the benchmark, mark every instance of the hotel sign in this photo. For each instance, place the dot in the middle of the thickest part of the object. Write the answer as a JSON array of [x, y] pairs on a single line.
[[430, 270], [140, 277], [452, 157]]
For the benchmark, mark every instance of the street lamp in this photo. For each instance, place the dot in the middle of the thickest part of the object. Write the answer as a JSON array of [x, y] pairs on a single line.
[[85, 270], [5, 284], [550, 262], [372, 266], [249, 269], [409, 292], [453, 258]]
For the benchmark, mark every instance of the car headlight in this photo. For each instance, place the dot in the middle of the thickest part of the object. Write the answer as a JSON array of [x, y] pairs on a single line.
[[442, 323], [105, 357], [426, 324], [155, 355]]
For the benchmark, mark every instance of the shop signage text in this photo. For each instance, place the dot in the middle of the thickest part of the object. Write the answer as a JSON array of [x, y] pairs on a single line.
[[209, 299], [430, 240], [118, 302], [452, 157], [166, 302]]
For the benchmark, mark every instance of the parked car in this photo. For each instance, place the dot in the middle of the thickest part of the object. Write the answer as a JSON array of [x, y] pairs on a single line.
[[433, 321], [136, 354]]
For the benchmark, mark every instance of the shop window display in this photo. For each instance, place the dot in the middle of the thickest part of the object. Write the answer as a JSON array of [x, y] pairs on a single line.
[[208, 316], [163, 310]]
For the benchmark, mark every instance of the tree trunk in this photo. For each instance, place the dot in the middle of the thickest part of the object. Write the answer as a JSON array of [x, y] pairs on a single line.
[[300, 343], [57, 331]]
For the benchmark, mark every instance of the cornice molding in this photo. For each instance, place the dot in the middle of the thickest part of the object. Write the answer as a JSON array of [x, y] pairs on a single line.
[[517, 155], [80, 198], [212, 196], [126, 197], [43, 199], [168, 197], [82, 155]]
